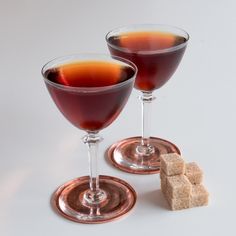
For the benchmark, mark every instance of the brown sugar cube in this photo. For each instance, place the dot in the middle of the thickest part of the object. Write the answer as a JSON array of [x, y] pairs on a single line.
[[178, 186], [199, 196], [172, 164], [193, 173], [178, 203]]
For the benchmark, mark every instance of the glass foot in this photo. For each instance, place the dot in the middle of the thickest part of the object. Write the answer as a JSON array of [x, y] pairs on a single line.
[[68, 200], [125, 157]]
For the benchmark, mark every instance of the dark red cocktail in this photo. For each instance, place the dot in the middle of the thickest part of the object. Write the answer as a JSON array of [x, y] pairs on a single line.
[[98, 104], [149, 51]]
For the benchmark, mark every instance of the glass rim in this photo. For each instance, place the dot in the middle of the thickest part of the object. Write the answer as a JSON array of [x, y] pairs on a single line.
[[87, 57], [136, 27]]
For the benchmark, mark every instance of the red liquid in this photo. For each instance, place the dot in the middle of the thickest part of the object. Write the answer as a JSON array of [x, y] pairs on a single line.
[[154, 68], [89, 101]]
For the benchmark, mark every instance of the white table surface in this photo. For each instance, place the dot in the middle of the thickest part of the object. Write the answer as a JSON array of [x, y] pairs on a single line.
[[39, 149]]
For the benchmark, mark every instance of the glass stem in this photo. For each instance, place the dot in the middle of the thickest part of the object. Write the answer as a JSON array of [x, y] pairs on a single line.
[[94, 195], [145, 148]]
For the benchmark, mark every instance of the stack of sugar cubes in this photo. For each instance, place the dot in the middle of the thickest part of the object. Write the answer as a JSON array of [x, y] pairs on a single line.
[[181, 183]]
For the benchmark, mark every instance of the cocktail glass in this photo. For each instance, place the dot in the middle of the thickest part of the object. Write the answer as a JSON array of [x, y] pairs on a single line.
[[157, 51], [91, 90]]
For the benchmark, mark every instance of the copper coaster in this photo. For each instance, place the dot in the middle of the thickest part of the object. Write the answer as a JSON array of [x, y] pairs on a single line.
[[123, 155], [68, 200]]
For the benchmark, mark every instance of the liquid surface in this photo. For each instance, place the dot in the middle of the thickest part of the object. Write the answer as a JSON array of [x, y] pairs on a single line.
[[148, 51], [147, 41], [90, 74]]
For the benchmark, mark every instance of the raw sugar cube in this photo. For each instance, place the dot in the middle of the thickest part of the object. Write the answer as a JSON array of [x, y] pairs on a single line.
[[172, 164], [199, 196], [193, 173], [178, 186], [178, 203]]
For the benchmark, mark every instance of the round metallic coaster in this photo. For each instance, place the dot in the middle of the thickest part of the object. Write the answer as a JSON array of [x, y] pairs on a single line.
[[68, 200], [123, 155]]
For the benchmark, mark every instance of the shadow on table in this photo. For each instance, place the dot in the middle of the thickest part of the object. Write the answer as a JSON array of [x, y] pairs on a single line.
[[154, 198]]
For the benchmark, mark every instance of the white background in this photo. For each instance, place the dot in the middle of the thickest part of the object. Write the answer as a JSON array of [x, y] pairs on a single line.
[[39, 149]]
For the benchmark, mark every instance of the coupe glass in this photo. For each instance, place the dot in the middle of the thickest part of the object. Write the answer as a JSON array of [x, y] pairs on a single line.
[[91, 90], [157, 51]]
